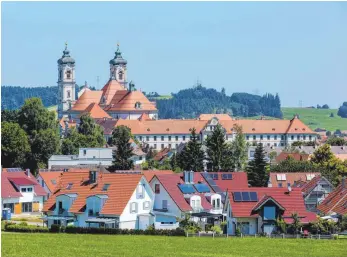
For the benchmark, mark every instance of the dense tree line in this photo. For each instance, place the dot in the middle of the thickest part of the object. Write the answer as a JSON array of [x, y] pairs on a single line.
[[190, 103], [342, 112]]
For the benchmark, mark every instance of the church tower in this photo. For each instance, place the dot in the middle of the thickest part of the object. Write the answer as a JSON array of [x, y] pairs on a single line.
[[118, 68], [66, 83]]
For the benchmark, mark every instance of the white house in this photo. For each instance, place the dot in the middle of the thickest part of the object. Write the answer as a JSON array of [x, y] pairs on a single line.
[[89, 199], [20, 191]]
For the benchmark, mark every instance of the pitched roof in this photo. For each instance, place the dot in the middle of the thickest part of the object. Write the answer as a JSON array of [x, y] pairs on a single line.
[[292, 202], [95, 111], [125, 101], [121, 188], [170, 183], [239, 180], [144, 116], [336, 201], [10, 179], [110, 89], [308, 187], [87, 98], [149, 174], [291, 177], [296, 156], [218, 116], [50, 178], [107, 125], [296, 126]]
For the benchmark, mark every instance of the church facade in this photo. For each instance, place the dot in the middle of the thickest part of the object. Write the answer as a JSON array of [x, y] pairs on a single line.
[[117, 99]]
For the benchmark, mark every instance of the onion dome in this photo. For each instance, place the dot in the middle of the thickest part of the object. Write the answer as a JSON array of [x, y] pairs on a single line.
[[118, 59], [66, 58]]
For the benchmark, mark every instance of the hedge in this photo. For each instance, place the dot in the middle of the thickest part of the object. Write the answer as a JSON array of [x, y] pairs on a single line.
[[27, 229]]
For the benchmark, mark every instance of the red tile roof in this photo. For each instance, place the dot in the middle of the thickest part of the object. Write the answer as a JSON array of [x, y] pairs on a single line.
[[149, 174], [296, 156], [308, 187], [8, 190], [121, 188], [49, 177], [95, 112], [110, 89], [218, 116], [292, 202], [170, 183], [239, 180], [336, 201], [291, 177], [87, 98]]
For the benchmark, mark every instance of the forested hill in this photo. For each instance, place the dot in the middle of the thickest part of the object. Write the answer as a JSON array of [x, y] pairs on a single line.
[[13, 98], [187, 103], [190, 103]]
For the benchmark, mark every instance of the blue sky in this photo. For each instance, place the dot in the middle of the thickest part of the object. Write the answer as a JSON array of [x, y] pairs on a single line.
[[296, 49]]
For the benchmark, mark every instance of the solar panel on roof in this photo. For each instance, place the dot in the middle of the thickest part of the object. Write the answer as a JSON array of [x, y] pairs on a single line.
[[186, 188], [245, 197], [254, 196], [237, 197], [202, 188]]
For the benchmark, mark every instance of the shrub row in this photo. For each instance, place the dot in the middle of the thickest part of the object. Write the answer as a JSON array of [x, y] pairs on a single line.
[[116, 231], [27, 229]]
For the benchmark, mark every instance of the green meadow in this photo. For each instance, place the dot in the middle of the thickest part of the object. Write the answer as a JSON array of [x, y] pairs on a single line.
[[60, 245]]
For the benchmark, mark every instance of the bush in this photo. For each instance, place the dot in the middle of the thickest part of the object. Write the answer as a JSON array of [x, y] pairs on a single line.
[[208, 227], [238, 232], [217, 230], [23, 223], [26, 229], [54, 228], [223, 225]]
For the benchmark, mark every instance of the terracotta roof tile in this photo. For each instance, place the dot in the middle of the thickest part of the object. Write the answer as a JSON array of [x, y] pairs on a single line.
[[110, 89], [149, 174], [291, 177], [239, 180], [121, 188], [218, 116], [296, 156], [50, 178], [87, 98], [95, 111]]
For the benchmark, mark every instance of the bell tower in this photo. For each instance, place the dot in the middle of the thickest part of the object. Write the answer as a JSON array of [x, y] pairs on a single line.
[[118, 68], [66, 83]]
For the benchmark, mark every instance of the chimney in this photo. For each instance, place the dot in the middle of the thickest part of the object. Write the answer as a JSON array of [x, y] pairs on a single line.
[[27, 172], [343, 183], [289, 189], [191, 177], [186, 176]]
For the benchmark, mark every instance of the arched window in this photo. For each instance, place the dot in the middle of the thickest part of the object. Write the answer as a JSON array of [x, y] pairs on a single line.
[[120, 75], [68, 74], [68, 94], [137, 105]]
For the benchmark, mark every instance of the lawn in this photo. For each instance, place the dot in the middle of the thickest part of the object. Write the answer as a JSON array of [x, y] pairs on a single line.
[[317, 118], [39, 245]]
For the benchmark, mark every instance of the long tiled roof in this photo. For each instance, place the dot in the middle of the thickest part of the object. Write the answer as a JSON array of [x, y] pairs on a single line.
[[121, 188], [239, 180], [296, 156], [336, 201], [149, 174], [9, 179], [218, 116], [87, 98], [291, 177], [50, 178], [292, 202]]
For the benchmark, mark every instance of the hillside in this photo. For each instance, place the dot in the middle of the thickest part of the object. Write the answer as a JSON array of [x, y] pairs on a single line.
[[317, 118]]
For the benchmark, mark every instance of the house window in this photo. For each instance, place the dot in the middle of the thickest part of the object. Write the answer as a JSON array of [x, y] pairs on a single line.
[[60, 205], [282, 137], [29, 189], [162, 146], [298, 137], [169, 138], [146, 205], [84, 152], [27, 207], [170, 146], [254, 137], [23, 189], [140, 138], [304, 137], [164, 204], [247, 137], [68, 187], [137, 105], [133, 208], [157, 188], [147, 138], [310, 138], [68, 74], [292, 137], [261, 137], [140, 191], [275, 144], [155, 146], [120, 75], [140, 158], [279, 184], [282, 144], [176, 138], [288, 184], [155, 138], [105, 187], [275, 137], [162, 138], [268, 137], [184, 138], [269, 213], [57, 222]]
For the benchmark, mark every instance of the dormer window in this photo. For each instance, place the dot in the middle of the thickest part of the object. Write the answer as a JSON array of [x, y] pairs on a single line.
[[137, 105], [105, 187], [69, 186]]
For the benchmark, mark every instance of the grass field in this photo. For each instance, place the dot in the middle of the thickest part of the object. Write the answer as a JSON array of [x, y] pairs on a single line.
[[317, 118], [51, 245]]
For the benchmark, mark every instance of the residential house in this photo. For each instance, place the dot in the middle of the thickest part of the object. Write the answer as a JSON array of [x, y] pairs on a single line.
[[21, 192], [48, 180], [296, 156], [315, 191], [336, 202], [191, 193], [286, 179], [255, 210], [92, 199]]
